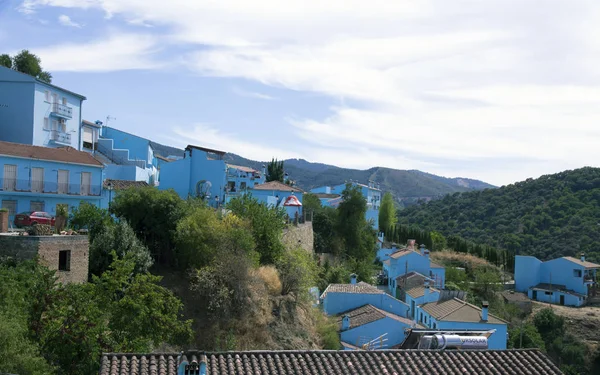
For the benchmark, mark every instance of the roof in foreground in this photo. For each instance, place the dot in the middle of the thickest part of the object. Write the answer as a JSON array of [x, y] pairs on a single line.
[[359, 288], [276, 185], [61, 154], [456, 310], [329, 362], [368, 314]]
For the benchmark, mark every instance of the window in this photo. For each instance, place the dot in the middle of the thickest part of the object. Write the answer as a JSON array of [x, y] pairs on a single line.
[[548, 293], [11, 206], [62, 125], [577, 273], [88, 138], [63, 181], [64, 260], [36, 206], [64, 101], [434, 325], [47, 96], [54, 124], [9, 183], [243, 185], [86, 182], [37, 180], [54, 98], [46, 123], [231, 186]]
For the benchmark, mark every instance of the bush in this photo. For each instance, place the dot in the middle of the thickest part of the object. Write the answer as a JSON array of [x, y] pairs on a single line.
[[270, 276], [298, 272], [328, 330], [90, 217], [40, 230]]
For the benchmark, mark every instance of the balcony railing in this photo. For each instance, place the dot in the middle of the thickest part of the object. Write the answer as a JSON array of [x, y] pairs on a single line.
[[48, 187], [60, 137], [62, 110]]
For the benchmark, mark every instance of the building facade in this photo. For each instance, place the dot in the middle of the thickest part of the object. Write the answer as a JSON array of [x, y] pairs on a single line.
[[566, 281], [34, 178], [34, 112]]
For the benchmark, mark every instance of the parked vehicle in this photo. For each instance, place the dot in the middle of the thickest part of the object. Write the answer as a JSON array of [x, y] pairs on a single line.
[[27, 219]]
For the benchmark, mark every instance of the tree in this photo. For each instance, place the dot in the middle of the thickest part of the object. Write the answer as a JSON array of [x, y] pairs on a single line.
[[549, 325], [267, 224], [387, 213], [352, 226], [120, 240], [297, 271], [311, 203], [525, 336], [486, 284], [275, 171], [6, 61], [28, 63], [90, 217]]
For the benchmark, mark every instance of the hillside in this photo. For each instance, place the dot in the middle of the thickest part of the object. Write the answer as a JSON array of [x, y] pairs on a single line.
[[554, 215], [408, 186]]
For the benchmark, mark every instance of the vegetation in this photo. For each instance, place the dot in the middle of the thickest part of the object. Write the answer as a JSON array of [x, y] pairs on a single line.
[[275, 171], [552, 216], [387, 213], [28, 63]]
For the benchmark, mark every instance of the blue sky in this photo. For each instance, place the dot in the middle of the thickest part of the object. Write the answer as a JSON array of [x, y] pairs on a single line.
[[499, 90]]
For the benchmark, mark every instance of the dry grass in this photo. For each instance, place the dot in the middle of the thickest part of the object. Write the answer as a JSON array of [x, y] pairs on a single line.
[[453, 259], [270, 276]]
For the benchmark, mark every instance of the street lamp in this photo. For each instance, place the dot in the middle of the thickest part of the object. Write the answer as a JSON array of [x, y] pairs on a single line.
[[109, 186]]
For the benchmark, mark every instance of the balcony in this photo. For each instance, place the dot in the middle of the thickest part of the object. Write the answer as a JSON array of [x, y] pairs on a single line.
[[48, 187], [60, 137], [61, 110]]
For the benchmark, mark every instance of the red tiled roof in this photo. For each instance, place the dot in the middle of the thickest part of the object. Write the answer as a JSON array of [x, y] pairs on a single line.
[[61, 154], [242, 168], [360, 288], [124, 184], [586, 264], [276, 185], [338, 362]]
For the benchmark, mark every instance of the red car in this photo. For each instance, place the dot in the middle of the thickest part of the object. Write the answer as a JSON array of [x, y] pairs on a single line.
[[27, 219]]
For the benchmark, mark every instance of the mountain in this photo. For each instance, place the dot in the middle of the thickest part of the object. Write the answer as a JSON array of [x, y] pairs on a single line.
[[407, 186], [552, 216]]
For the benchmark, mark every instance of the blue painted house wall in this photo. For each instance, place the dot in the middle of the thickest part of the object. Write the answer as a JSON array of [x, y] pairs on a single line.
[[371, 194], [393, 328], [29, 116], [527, 272], [413, 303], [48, 197], [413, 262], [336, 302], [276, 198]]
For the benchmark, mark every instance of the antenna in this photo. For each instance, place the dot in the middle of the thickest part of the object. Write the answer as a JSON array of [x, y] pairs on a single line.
[[108, 118]]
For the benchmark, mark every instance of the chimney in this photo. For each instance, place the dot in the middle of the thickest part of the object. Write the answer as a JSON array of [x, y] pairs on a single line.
[[426, 253], [345, 323], [422, 249], [411, 244], [426, 292], [484, 310], [353, 278], [394, 247], [583, 257]]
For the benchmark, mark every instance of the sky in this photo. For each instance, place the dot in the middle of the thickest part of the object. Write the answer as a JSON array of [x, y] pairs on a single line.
[[497, 90]]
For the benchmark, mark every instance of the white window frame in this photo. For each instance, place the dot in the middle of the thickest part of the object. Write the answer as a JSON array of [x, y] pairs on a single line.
[[47, 123], [47, 96]]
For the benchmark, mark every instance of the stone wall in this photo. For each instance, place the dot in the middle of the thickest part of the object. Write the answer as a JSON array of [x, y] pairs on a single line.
[[299, 236], [48, 249]]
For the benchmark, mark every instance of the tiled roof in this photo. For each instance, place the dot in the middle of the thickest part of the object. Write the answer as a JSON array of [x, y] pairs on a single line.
[[340, 362], [242, 168], [61, 154], [124, 184], [276, 185], [435, 265], [555, 287], [325, 195], [360, 287], [368, 314], [89, 123], [419, 291], [515, 296], [401, 253], [162, 158], [585, 264], [455, 310]]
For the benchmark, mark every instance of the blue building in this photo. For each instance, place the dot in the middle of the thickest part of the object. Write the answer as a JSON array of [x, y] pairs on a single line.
[[240, 179], [331, 196], [338, 298], [34, 112], [34, 178], [126, 156], [414, 289], [360, 326], [565, 281], [455, 314], [277, 194], [408, 260]]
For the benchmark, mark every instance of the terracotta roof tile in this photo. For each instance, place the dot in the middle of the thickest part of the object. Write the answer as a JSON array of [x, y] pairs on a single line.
[[327, 362], [360, 287], [124, 184], [585, 264], [455, 310], [242, 168], [276, 185], [419, 291], [367, 314], [61, 154]]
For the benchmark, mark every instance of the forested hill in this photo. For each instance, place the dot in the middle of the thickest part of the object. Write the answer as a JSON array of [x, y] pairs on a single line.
[[554, 215]]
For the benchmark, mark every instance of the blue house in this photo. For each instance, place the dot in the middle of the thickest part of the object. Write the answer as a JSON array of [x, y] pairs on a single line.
[[126, 156], [34, 178], [338, 298], [414, 289], [565, 281], [455, 314], [34, 112], [365, 324], [277, 194], [371, 193], [408, 260]]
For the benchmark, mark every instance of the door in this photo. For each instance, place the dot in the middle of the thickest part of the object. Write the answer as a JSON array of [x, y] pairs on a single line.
[[55, 98], [63, 181], [9, 183], [562, 299], [534, 295], [37, 180], [86, 183]]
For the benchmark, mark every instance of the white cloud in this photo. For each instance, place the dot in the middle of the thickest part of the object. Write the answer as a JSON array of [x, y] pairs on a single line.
[[117, 52], [65, 20], [453, 87], [251, 94]]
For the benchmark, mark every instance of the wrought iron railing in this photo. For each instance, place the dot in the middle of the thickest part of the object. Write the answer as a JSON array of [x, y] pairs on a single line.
[[49, 187]]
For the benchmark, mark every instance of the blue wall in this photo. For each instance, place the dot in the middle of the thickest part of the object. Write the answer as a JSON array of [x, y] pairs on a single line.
[[16, 115], [176, 175], [527, 272], [335, 303], [393, 328], [139, 148], [554, 297], [268, 197]]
